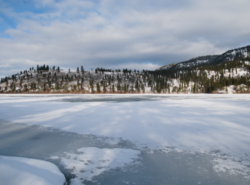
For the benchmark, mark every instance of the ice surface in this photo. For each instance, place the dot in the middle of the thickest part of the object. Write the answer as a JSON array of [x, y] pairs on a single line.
[[231, 166], [206, 124], [24, 171], [90, 161], [167, 123]]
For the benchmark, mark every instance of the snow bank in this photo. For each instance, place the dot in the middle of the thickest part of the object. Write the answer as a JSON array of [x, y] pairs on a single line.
[[90, 162], [24, 171]]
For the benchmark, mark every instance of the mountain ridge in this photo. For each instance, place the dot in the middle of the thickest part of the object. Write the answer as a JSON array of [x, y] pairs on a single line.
[[230, 55], [204, 74]]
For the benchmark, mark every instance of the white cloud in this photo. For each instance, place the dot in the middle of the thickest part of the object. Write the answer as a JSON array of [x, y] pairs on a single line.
[[138, 34]]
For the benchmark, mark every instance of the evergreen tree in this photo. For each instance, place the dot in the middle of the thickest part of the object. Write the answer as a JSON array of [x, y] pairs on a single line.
[[44, 87], [118, 87], [98, 87], [104, 87], [92, 88]]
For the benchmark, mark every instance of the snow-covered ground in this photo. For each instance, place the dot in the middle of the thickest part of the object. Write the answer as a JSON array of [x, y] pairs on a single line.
[[216, 125], [24, 171]]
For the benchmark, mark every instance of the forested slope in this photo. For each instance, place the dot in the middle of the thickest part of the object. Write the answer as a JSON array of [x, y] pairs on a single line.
[[229, 73]]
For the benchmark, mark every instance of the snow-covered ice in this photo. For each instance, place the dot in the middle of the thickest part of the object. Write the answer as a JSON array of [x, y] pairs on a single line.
[[232, 166], [219, 122], [89, 162], [24, 171], [216, 125]]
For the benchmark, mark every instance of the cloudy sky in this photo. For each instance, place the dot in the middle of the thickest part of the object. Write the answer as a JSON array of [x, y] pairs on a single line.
[[134, 34]]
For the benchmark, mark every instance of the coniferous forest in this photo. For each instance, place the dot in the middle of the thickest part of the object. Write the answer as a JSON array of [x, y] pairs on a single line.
[[228, 77]]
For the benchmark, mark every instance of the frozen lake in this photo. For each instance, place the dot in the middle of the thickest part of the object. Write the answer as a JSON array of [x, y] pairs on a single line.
[[132, 139]]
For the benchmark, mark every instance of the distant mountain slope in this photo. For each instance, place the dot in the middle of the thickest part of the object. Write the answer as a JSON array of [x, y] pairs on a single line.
[[205, 74], [230, 55]]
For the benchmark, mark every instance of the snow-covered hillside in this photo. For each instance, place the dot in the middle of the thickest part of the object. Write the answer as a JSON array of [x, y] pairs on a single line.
[[234, 54], [232, 77], [194, 62], [64, 81], [226, 73]]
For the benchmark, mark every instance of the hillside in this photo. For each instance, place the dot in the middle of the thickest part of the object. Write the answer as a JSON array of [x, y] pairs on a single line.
[[226, 73], [48, 80], [209, 60]]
